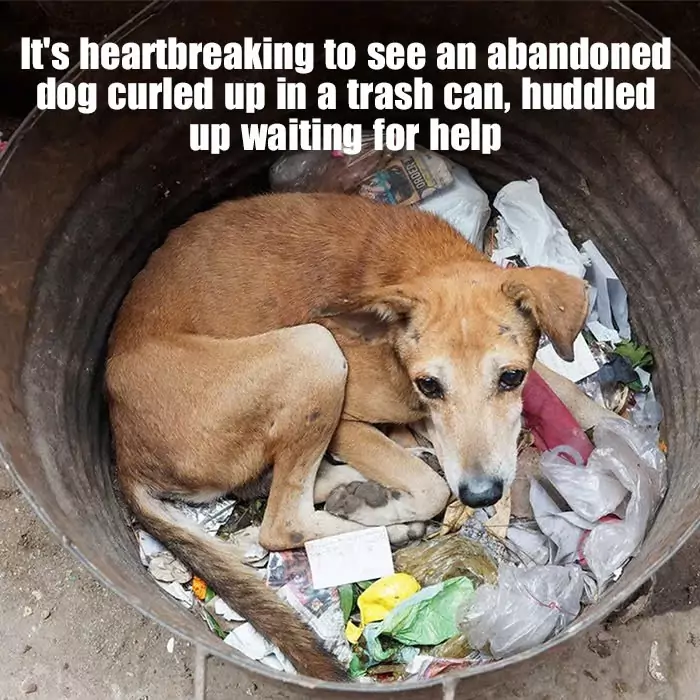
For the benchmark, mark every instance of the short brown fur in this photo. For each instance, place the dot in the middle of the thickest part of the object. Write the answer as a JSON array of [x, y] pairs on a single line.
[[221, 365]]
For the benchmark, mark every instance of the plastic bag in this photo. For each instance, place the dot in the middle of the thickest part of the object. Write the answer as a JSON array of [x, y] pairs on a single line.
[[524, 609], [465, 206], [528, 228], [531, 545], [323, 171], [591, 490], [427, 618], [444, 558], [565, 529], [634, 458], [646, 414], [549, 419]]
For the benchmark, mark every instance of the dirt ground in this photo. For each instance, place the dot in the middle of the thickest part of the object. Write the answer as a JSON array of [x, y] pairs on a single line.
[[65, 636]]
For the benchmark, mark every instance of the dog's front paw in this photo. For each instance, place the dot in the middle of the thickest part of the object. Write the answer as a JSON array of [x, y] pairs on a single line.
[[404, 533], [427, 455], [361, 501]]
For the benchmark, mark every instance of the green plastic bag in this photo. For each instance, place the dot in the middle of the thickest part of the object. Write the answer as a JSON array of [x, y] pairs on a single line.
[[425, 619]]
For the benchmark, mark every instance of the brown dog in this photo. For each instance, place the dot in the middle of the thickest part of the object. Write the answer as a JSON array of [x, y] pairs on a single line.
[[270, 330]]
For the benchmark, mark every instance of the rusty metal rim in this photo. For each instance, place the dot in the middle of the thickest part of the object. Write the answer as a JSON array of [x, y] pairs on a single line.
[[617, 595]]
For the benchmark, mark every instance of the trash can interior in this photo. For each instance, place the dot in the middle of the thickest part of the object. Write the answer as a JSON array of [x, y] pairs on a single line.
[[86, 198]]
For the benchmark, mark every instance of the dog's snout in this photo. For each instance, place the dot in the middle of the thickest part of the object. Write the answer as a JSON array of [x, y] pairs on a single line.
[[481, 492]]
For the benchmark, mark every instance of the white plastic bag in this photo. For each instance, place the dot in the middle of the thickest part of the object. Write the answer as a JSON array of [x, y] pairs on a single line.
[[530, 545], [529, 228], [647, 414], [634, 458], [591, 490], [525, 608], [464, 205], [565, 529]]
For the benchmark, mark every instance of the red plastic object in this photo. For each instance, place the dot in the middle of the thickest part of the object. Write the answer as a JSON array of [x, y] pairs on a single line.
[[550, 421]]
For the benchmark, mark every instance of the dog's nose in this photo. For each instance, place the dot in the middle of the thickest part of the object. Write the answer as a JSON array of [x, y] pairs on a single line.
[[481, 492]]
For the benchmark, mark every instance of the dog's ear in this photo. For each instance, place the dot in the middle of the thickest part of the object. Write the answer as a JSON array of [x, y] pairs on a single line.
[[558, 303], [372, 315]]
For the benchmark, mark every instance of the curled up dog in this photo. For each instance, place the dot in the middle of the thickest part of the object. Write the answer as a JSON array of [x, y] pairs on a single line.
[[271, 330]]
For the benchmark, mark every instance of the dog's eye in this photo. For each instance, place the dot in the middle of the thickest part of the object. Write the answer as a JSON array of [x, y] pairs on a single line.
[[511, 379], [430, 387]]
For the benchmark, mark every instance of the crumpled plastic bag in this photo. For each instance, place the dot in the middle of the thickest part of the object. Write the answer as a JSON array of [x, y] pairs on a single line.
[[464, 205], [425, 619], [565, 529], [635, 459], [531, 545], [525, 608], [647, 414], [528, 228], [591, 490], [444, 558], [323, 171]]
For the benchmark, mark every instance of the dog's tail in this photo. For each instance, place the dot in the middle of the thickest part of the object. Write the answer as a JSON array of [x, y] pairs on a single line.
[[219, 564]]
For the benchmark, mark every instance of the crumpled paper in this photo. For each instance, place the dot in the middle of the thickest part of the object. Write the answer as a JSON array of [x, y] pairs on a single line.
[[528, 228]]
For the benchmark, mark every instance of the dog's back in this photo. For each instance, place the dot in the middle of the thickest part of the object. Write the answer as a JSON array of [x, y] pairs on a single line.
[[253, 265]]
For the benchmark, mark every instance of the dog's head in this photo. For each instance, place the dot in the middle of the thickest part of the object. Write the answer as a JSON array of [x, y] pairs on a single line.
[[467, 340]]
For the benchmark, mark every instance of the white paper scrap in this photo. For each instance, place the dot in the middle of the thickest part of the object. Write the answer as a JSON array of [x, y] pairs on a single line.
[[149, 547], [610, 306], [221, 607], [249, 642], [363, 555], [179, 592], [583, 366]]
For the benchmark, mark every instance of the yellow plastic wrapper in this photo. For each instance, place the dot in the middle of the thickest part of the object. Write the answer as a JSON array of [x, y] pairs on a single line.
[[384, 595], [379, 599], [353, 632]]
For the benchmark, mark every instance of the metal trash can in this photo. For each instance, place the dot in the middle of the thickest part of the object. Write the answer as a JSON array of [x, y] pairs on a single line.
[[85, 199]]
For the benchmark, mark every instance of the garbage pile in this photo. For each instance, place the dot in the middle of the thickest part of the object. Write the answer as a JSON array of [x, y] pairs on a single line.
[[488, 583]]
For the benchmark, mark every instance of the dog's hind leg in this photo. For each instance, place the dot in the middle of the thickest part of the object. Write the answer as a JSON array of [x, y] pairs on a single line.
[[195, 417], [306, 409]]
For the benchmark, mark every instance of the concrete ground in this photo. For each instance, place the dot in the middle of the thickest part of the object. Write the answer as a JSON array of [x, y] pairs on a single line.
[[64, 636]]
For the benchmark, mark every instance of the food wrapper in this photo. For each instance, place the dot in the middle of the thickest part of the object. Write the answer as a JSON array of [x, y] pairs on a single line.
[[408, 179]]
